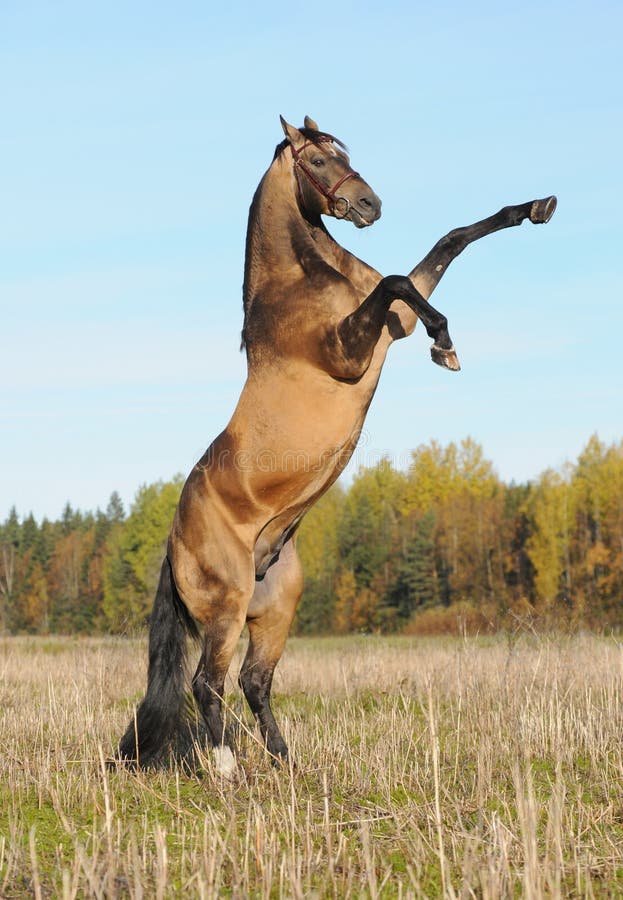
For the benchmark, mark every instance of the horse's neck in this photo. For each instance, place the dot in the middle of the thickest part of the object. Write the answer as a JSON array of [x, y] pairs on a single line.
[[279, 238], [282, 244]]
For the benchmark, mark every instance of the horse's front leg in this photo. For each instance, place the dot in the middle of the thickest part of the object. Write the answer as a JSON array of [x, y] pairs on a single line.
[[427, 274], [352, 342]]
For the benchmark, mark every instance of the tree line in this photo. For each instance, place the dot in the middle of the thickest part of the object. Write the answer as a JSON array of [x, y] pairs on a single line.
[[443, 547]]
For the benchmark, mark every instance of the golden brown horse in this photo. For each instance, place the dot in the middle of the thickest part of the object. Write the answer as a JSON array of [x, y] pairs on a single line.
[[318, 323]]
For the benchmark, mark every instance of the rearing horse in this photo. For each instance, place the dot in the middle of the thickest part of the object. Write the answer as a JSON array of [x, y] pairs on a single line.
[[318, 323]]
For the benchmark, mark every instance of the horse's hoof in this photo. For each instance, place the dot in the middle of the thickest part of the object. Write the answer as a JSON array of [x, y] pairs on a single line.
[[224, 761], [119, 762], [282, 761], [543, 210], [446, 358]]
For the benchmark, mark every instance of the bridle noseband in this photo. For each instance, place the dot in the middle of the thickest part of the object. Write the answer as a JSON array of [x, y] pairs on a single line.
[[338, 206]]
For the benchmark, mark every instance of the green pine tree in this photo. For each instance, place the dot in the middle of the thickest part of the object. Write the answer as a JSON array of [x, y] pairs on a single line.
[[416, 584]]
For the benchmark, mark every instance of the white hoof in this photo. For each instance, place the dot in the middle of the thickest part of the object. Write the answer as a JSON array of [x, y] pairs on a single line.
[[225, 761]]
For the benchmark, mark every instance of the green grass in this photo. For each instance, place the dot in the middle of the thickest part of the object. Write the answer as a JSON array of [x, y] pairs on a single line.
[[425, 768]]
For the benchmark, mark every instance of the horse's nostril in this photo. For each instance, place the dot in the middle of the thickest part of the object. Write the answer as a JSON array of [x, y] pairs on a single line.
[[365, 202]]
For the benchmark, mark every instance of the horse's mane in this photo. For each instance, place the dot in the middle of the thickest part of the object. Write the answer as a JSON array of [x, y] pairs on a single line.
[[310, 134]]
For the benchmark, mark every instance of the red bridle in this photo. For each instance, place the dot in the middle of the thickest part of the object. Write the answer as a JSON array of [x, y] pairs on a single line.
[[329, 193]]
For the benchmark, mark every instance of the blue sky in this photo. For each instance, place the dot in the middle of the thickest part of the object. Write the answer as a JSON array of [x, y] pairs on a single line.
[[132, 139]]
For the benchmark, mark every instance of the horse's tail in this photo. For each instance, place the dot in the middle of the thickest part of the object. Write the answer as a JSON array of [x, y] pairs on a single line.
[[158, 716]]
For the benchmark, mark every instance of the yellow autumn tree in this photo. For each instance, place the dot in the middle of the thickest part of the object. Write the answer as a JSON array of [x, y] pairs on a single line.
[[548, 546]]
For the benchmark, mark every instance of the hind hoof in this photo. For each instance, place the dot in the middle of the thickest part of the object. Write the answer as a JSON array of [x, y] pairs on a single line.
[[543, 210], [282, 762], [446, 358], [224, 761]]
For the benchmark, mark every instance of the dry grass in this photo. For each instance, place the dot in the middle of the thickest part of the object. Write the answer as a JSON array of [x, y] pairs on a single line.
[[472, 768]]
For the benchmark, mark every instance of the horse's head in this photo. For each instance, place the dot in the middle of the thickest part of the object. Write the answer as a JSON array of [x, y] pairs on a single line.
[[326, 182]]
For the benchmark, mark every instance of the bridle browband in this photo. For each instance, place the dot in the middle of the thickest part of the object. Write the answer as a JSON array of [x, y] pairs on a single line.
[[337, 205]]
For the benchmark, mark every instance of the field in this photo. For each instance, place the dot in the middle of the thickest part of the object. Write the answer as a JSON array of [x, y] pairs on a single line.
[[425, 768]]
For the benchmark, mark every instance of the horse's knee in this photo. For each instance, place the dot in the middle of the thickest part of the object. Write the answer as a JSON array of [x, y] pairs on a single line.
[[453, 243], [398, 286]]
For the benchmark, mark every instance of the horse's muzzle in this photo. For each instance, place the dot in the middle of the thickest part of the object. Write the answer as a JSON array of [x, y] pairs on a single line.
[[366, 210]]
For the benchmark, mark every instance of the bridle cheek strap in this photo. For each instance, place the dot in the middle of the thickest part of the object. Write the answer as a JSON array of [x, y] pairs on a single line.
[[338, 206]]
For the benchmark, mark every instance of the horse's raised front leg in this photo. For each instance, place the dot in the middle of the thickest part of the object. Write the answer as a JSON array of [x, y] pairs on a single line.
[[351, 344], [427, 274], [269, 619]]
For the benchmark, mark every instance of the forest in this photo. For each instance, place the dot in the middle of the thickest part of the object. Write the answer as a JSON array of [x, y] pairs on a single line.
[[443, 547]]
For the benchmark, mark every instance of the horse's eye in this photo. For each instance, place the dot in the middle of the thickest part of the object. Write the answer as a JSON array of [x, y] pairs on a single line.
[[318, 161]]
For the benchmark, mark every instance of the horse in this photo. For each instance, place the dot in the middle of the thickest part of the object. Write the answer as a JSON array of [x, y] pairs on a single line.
[[318, 323]]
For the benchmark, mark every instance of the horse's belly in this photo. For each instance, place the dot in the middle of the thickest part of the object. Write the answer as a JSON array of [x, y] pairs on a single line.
[[303, 487]]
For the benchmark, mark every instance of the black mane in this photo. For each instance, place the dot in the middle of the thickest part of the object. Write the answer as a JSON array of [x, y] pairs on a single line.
[[317, 137]]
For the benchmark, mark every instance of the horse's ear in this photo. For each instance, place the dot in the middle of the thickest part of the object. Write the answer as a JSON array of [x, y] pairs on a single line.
[[293, 134], [309, 123]]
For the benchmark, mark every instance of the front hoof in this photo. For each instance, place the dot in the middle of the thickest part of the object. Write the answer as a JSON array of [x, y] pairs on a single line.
[[543, 210], [446, 358]]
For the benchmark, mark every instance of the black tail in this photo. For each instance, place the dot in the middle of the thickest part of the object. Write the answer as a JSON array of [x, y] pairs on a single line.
[[158, 716]]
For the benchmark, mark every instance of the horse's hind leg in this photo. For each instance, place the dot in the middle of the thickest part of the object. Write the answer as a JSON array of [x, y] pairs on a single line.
[[427, 274], [269, 619], [222, 631], [216, 582]]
